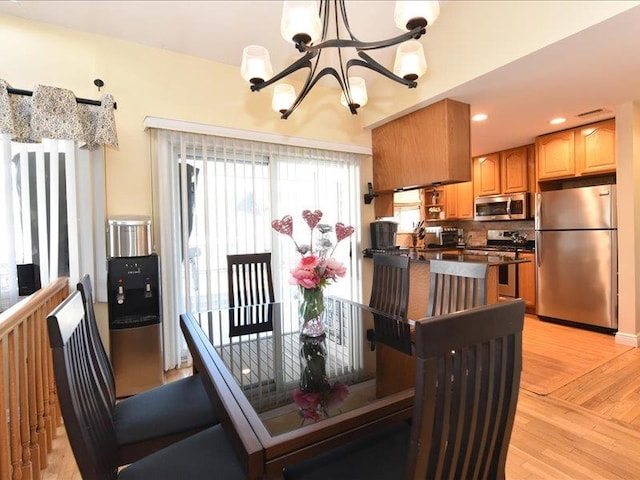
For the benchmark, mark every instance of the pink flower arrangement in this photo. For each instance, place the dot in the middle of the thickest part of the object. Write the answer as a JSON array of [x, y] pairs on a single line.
[[315, 405], [316, 267]]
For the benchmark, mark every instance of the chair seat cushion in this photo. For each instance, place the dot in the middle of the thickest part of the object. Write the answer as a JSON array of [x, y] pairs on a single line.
[[176, 407], [379, 456], [205, 455]]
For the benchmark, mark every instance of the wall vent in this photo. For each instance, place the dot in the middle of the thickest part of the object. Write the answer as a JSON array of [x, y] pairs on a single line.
[[593, 113]]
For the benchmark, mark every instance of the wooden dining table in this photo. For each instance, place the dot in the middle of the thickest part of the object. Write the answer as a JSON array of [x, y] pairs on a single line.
[[271, 404]]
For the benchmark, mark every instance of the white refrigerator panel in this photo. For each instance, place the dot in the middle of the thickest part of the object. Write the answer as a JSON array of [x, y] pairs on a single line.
[[577, 276], [577, 208]]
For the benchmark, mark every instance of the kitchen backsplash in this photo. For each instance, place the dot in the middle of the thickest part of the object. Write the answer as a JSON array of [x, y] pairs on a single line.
[[475, 233]]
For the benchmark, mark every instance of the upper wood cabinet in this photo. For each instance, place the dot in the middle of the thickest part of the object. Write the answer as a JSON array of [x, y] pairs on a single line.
[[431, 145], [486, 175], [502, 172], [459, 201], [586, 150], [555, 153], [513, 170], [595, 148]]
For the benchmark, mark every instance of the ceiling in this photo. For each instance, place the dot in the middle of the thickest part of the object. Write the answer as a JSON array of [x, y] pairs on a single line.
[[597, 68]]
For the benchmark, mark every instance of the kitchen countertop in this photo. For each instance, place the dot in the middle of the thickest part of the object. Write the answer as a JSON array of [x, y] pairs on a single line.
[[497, 259]]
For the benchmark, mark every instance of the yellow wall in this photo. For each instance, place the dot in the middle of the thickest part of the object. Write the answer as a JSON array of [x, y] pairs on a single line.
[[153, 82]]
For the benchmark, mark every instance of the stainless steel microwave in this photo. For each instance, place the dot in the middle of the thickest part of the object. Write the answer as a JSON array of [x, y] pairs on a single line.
[[511, 206]]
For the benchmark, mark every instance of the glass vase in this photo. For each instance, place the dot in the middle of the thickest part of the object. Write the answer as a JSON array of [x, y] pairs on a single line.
[[310, 312]]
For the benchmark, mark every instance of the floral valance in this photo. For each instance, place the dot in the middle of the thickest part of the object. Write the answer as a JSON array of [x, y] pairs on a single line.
[[54, 113]]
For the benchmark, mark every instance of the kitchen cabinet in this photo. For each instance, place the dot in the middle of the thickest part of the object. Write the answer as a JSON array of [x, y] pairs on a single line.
[[486, 175], [503, 172], [595, 148], [513, 170], [459, 201], [586, 150], [429, 146], [527, 281]]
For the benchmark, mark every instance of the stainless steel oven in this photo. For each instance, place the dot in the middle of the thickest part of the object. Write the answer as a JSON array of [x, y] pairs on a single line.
[[513, 206]]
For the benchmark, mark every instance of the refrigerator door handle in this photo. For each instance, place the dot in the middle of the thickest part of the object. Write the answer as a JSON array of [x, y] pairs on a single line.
[[538, 248], [538, 209]]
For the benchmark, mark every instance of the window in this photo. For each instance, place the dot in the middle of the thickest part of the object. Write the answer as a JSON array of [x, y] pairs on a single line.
[[49, 227], [219, 196]]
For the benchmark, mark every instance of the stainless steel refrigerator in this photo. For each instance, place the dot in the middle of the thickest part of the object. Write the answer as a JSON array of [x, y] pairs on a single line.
[[577, 255]]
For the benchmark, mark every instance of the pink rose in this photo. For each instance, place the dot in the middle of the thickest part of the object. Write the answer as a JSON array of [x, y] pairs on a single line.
[[339, 392], [306, 400], [335, 269], [304, 278], [309, 262]]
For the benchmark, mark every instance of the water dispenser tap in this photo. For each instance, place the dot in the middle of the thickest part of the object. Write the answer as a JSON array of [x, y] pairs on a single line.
[[120, 295], [147, 289]]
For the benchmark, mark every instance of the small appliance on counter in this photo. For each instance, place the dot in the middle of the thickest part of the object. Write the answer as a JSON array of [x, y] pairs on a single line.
[[383, 234], [439, 237], [135, 326]]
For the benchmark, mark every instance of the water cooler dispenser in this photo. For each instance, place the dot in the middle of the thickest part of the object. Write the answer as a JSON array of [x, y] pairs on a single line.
[[135, 324]]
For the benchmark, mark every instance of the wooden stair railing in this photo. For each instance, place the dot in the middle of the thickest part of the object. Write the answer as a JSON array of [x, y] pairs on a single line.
[[27, 386]]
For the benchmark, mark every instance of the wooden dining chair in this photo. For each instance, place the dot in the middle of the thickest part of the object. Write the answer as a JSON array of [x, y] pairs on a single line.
[[467, 384], [250, 282], [249, 279], [390, 295], [90, 423], [150, 420], [456, 286]]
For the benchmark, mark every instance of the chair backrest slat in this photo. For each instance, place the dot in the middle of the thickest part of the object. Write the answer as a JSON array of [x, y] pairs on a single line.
[[390, 295], [467, 384], [250, 279], [456, 286], [102, 364], [87, 416]]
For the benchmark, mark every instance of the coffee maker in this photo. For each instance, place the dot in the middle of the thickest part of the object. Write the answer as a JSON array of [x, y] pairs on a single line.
[[135, 325], [383, 234]]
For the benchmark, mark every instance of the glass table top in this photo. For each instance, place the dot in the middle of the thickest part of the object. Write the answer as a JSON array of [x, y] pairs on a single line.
[[292, 380]]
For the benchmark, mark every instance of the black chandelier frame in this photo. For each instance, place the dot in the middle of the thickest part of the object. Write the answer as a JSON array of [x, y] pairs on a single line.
[[312, 52]]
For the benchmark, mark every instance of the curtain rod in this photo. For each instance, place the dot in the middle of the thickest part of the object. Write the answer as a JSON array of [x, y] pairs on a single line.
[[28, 93]]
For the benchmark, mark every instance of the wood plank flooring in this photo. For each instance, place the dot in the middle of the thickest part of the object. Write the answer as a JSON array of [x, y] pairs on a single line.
[[586, 429]]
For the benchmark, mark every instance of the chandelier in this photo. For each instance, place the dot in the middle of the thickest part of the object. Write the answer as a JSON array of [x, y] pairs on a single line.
[[306, 24]]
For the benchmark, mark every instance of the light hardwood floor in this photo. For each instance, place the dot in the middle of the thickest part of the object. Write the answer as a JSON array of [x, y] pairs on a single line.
[[586, 429]]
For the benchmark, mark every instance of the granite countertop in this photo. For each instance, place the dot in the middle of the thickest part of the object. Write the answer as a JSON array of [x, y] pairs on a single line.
[[497, 259]]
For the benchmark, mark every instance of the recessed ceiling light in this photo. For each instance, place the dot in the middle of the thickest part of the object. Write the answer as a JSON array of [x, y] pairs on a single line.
[[479, 117], [557, 120]]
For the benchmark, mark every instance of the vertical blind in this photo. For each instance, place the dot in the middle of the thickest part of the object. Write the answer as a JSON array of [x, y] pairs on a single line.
[[52, 215], [217, 196]]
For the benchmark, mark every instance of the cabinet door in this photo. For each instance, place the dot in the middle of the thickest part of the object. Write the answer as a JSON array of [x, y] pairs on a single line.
[[596, 148], [527, 280], [451, 201], [486, 175], [513, 170], [555, 153], [465, 200]]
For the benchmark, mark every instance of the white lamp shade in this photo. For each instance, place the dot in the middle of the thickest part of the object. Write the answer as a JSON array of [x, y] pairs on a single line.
[[405, 11], [300, 20], [283, 97], [410, 63], [358, 92], [256, 64]]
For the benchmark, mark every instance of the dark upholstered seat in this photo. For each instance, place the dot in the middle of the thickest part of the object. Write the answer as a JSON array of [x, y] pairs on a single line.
[[150, 420], [390, 295], [467, 385], [89, 420], [455, 286]]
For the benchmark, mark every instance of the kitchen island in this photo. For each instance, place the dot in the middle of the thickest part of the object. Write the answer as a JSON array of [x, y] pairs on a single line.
[[419, 273], [396, 370]]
